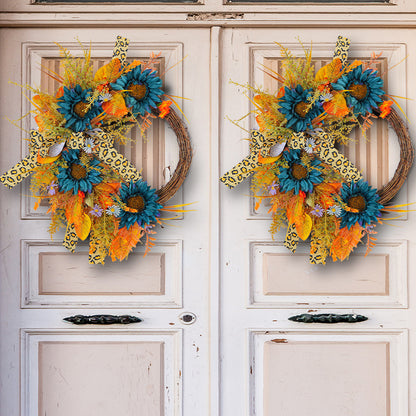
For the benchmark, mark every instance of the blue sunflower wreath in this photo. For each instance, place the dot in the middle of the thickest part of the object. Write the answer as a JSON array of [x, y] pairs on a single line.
[[311, 188], [92, 189]]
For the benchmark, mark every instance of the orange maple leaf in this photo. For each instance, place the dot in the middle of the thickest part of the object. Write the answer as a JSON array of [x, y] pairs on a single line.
[[124, 241], [337, 106], [116, 106], [345, 242]]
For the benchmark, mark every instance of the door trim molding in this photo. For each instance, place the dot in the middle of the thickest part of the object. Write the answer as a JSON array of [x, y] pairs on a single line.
[[184, 19]]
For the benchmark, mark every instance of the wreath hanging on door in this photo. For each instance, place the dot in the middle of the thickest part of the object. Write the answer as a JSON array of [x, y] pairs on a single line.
[[310, 186], [93, 190]]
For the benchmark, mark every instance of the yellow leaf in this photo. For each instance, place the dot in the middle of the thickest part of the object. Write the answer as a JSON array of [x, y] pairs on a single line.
[[109, 72], [304, 227], [84, 227], [329, 72]]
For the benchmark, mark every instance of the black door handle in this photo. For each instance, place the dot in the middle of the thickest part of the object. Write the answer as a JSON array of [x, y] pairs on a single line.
[[328, 318], [102, 319]]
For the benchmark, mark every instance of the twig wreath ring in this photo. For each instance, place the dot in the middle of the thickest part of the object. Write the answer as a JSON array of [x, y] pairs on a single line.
[[311, 187], [93, 190]]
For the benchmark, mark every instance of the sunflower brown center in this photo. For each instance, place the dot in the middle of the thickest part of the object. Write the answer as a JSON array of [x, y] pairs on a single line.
[[137, 91], [301, 109], [358, 91], [136, 202], [299, 171], [78, 171], [80, 109], [357, 202]]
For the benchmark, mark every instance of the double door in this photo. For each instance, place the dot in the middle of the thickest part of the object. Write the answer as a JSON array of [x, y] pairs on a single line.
[[215, 293]]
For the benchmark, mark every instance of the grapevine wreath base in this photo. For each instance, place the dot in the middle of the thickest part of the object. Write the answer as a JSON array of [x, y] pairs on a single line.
[[92, 189], [308, 184]]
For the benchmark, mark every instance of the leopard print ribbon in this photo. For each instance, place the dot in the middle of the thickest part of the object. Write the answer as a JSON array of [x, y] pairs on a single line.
[[120, 49], [341, 49], [38, 146], [258, 145], [95, 255], [292, 238], [105, 151], [326, 151], [109, 155], [318, 252], [331, 156], [71, 238]]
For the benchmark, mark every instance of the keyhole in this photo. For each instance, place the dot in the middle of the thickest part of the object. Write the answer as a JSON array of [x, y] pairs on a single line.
[[187, 318]]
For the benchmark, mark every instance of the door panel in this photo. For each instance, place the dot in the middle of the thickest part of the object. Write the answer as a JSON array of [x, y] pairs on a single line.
[[292, 368], [376, 280], [53, 277], [87, 367], [320, 364], [62, 369], [329, 372], [106, 372]]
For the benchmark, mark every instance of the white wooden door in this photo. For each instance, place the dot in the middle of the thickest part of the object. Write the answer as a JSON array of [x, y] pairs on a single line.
[[280, 367], [155, 367]]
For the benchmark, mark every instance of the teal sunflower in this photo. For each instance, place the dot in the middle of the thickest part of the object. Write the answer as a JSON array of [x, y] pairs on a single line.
[[76, 109], [364, 200], [76, 175], [298, 176], [141, 198], [298, 111], [363, 89], [142, 90]]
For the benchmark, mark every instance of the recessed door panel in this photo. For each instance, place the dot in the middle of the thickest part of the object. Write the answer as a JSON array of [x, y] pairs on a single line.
[[110, 377]]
